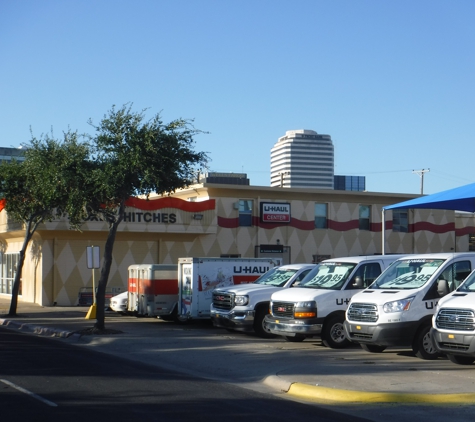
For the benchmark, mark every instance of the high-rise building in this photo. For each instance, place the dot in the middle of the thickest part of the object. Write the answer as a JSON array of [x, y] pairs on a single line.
[[8, 154], [355, 183], [302, 159]]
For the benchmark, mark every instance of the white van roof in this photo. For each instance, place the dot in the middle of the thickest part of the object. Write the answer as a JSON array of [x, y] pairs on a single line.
[[440, 255], [358, 259], [297, 266]]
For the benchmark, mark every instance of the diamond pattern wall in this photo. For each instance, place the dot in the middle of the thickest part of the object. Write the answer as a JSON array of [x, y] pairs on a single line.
[[56, 265]]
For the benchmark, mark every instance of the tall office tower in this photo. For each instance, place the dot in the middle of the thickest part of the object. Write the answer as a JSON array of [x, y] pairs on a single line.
[[302, 159]]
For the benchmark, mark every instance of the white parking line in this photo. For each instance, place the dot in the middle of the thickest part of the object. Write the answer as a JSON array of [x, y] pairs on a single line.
[[36, 396]]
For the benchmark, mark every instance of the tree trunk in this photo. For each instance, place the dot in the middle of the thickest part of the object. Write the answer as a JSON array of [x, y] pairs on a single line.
[[16, 283], [105, 271]]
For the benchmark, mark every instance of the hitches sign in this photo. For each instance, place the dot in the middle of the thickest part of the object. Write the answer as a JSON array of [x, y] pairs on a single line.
[[275, 212]]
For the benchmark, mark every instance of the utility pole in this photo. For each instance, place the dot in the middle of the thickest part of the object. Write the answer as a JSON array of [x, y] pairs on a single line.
[[421, 173], [282, 173]]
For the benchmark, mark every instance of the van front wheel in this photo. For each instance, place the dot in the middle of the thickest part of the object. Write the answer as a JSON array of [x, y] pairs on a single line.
[[333, 333], [259, 326], [423, 346]]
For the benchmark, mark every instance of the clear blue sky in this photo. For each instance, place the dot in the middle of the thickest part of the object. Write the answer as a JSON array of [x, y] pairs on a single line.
[[391, 81]]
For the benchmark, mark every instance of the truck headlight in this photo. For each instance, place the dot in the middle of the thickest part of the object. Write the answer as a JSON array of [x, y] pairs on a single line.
[[307, 309], [398, 305], [241, 300]]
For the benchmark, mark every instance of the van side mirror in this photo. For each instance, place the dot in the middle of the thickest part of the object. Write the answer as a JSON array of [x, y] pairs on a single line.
[[442, 287], [358, 283]]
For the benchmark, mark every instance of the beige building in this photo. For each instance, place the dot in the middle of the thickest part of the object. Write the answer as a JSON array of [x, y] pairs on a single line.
[[213, 220]]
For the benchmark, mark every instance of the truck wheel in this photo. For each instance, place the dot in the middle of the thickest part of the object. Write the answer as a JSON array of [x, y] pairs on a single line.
[[259, 326], [333, 333], [180, 319], [423, 346], [461, 360], [372, 348], [296, 339], [170, 317]]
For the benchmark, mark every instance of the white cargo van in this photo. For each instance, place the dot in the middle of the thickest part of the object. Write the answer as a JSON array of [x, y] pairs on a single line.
[[243, 307], [317, 306], [396, 310], [453, 324]]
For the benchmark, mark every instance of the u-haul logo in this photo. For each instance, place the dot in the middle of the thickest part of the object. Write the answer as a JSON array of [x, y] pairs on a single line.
[[275, 212]]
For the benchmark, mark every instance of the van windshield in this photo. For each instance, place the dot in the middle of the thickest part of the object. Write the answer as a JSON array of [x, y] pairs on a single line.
[[469, 284], [276, 277], [407, 274], [328, 275]]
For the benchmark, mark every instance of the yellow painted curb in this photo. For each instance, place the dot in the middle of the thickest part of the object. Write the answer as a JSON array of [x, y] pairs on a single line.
[[316, 393]]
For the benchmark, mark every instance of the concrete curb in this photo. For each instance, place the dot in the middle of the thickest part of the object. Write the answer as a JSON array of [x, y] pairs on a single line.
[[277, 383], [324, 394], [35, 329]]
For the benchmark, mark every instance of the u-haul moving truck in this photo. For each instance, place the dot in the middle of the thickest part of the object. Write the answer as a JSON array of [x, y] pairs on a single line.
[[153, 290], [198, 277], [397, 309]]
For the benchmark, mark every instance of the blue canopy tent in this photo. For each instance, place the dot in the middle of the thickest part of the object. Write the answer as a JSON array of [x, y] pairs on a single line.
[[457, 199]]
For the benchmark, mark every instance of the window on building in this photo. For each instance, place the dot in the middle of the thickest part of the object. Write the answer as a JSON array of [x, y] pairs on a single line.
[[321, 216], [364, 223], [400, 221], [471, 242], [245, 212], [8, 265]]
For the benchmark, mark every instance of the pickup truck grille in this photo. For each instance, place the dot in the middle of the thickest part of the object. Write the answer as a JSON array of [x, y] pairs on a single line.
[[283, 309], [456, 319], [363, 312], [223, 300]]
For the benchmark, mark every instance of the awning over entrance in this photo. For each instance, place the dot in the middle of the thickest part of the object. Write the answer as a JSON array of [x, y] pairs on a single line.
[[457, 199]]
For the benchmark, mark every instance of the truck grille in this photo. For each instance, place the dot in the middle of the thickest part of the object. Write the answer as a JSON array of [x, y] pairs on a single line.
[[456, 319], [223, 300], [283, 309], [363, 312]]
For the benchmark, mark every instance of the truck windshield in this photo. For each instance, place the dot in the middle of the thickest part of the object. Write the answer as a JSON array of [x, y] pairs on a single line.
[[276, 277], [407, 274], [328, 275]]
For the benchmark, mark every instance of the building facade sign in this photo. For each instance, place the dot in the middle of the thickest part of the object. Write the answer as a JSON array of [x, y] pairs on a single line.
[[271, 248], [275, 212]]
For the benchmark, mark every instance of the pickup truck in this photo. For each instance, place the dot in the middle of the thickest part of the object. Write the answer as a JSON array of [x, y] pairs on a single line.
[[243, 307]]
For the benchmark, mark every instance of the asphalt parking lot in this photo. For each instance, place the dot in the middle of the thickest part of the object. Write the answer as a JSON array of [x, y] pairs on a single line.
[[385, 386]]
